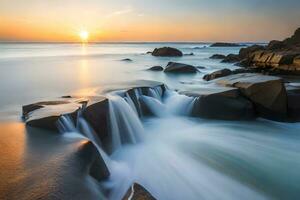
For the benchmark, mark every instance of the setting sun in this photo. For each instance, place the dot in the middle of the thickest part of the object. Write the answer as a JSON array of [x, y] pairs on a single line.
[[84, 36]]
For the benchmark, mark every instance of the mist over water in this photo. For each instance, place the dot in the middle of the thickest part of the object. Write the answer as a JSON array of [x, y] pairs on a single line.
[[170, 153]]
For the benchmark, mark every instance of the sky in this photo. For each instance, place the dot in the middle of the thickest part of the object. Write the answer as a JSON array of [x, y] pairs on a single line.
[[148, 20]]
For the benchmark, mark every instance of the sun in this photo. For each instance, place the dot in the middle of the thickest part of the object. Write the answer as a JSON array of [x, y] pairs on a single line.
[[84, 35]]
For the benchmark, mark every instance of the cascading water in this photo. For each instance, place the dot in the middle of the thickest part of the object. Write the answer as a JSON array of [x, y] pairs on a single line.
[[125, 124]]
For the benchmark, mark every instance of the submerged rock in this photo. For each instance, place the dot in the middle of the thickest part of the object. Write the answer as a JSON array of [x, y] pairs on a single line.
[[231, 58], [127, 60], [137, 192], [218, 56], [174, 67], [156, 68], [224, 44], [167, 52]]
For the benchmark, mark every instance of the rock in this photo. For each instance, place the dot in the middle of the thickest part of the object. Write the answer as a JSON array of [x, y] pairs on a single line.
[[189, 54], [149, 52], [293, 96], [231, 58], [266, 92], [221, 103], [296, 61], [200, 67], [156, 68], [217, 74], [276, 45], [224, 44], [46, 114], [246, 52], [167, 52], [66, 97], [218, 56], [127, 60], [174, 67], [137, 192]]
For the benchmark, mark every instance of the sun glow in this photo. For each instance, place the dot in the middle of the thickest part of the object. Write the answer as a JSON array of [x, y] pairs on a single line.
[[84, 36]]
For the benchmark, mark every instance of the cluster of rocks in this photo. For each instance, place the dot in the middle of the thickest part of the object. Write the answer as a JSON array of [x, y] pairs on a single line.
[[174, 67], [278, 57], [271, 97]]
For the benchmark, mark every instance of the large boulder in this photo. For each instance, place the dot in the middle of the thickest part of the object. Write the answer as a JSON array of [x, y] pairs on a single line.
[[225, 44], [167, 52], [221, 103], [174, 67], [137, 192], [266, 92], [246, 52]]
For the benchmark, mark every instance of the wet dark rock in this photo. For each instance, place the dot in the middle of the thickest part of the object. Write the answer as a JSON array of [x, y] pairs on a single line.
[[137, 192], [293, 96], [217, 74], [167, 52], [189, 54], [156, 68], [174, 67], [224, 44], [66, 97], [127, 60], [231, 58], [201, 67], [218, 56], [267, 93]]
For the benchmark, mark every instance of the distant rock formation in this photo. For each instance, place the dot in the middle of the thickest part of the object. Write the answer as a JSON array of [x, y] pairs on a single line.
[[167, 52], [224, 44]]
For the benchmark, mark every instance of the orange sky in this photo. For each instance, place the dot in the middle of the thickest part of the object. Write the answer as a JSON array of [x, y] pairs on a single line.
[[132, 20]]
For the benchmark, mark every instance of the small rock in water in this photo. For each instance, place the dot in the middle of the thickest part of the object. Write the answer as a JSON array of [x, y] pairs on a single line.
[[156, 68], [218, 56], [174, 67], [189, 54], [127, 60]]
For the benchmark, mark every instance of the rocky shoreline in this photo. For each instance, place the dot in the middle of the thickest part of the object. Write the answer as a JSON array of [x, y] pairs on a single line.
[[242, 94]]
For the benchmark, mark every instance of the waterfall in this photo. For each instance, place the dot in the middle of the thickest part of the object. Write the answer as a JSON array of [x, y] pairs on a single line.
[[155, 106], [155, 93], [125, 124], [81, 130], [130, 102]]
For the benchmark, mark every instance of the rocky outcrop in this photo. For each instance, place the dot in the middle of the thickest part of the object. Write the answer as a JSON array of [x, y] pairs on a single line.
[[137, 192], [167, 52], [224, 44], [267, 93], [174, 67], [218, 56], [278, 57], [156, 68], [222, 103]]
